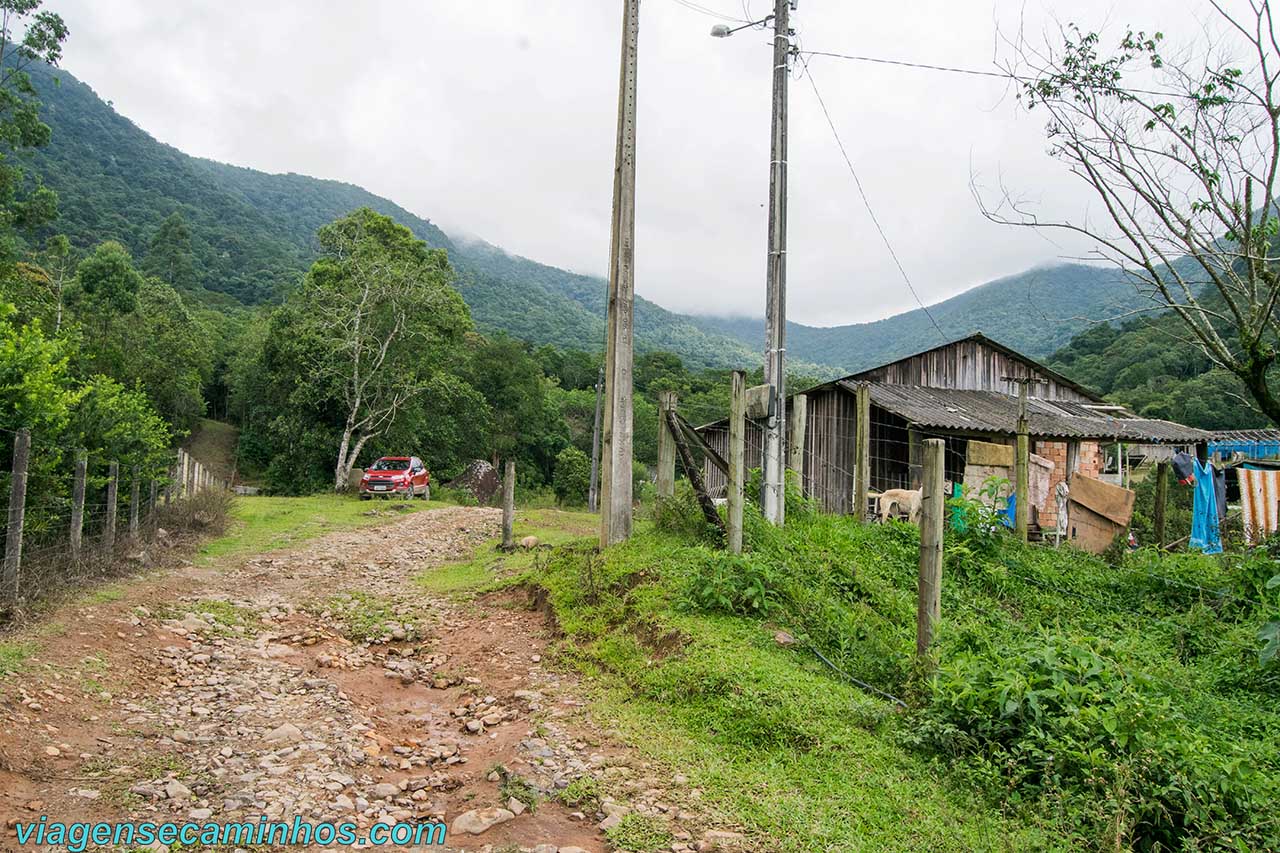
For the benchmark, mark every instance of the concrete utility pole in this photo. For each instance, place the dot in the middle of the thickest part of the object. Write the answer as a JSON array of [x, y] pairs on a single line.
[[773, 497], [593, 494], [615, 480]]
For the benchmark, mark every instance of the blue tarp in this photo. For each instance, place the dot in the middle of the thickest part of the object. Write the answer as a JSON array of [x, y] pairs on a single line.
[[1251, 449]]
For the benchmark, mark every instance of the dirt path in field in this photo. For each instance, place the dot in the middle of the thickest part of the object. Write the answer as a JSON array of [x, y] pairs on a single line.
[[324, 683]]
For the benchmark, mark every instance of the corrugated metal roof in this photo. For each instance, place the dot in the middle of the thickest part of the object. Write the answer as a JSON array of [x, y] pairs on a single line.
[[989, 411], [1269, 434]]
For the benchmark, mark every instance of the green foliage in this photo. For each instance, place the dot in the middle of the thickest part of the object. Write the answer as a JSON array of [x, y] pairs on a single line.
[[637, 833], [572, 477], [732, 584], [1121, 703], [106, 282], [170, 257], [114, 422]]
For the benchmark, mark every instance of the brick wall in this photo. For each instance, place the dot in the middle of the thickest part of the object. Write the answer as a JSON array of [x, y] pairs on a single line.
[[1089, 462]]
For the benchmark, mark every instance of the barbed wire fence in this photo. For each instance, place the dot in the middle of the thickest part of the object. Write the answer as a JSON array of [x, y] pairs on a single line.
[[67, 523]]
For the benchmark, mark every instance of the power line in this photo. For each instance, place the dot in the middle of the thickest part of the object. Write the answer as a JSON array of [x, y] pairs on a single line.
[[867, 202], [697, 7], [1001, 75]]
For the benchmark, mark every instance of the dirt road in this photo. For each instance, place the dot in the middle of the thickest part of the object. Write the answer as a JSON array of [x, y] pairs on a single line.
[[322, 682]]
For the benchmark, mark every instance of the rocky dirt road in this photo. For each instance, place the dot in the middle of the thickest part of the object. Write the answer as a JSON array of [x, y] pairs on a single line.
[[323, 682]]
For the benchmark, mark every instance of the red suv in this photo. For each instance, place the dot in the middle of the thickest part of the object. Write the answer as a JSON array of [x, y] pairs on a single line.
[[404, 476]]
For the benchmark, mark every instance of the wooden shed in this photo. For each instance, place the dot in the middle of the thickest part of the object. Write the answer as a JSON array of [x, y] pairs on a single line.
[[962, 391]]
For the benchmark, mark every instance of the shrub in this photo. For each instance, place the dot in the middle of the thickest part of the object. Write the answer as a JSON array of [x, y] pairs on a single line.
[[1056, 714], [572, 476]]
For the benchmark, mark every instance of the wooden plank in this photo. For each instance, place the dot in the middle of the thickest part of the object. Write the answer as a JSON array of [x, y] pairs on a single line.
[[988, 454], [1111, 502], [759, 401], [737, 452], [695, 475], [666, 446], [862, 449], [711, 454]]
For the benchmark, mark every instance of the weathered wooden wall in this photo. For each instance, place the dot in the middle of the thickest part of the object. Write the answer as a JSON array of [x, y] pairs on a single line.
[[718, 437], [971, 365]]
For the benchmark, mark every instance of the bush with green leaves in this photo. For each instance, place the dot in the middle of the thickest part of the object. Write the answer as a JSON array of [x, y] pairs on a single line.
[[572, 477]]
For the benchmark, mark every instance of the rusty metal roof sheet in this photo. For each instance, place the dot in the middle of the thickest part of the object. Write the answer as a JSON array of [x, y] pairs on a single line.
[[992, 412]]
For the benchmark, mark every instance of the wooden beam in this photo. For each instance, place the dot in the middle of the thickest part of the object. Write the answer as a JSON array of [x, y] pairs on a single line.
[[666, 446], [862, 447], [799, 414], [737, 457], [932, 513], [716, 459], [694, 474]]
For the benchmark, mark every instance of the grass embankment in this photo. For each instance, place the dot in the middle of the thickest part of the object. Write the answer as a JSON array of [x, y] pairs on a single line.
[[1076, 703], [213, 443], [261, 524]]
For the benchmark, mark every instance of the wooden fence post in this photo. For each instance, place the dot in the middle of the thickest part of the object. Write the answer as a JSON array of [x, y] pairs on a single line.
[[509, 506], [1022, 468], [737, 458], [1162, 500], [666, 446], [77, 501], [184, 477], [862, 447], [593, 493], [932, 514], [113, 489], [799, 413], [135, 505], [17, 510]]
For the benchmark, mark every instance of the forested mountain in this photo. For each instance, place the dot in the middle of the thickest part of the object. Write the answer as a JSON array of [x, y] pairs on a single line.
[[1034, 312], [253, 234]]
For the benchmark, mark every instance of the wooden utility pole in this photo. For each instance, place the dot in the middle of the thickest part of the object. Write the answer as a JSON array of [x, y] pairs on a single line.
[[795, 447], [932, 513], [772, 492], [113, 488], [666, 446], [615, 480], [862, 447], [77, 501], [1162, 500], [737, 459], [1022, 466], [509, 506], [17, 510], [593, 493]]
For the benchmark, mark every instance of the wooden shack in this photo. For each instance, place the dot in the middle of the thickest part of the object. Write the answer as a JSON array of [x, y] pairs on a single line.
[[962, 391]]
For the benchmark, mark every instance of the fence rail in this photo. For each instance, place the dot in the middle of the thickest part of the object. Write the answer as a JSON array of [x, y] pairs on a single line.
[[101, 510]]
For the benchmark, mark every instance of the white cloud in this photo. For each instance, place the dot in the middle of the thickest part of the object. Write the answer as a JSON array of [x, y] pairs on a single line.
[[496, 117]]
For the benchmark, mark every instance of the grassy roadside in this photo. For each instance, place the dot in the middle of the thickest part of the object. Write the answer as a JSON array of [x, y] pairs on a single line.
[[260, 524], [796, 758]]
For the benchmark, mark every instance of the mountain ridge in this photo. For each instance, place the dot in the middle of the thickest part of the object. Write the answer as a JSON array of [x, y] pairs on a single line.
[[253, 235]]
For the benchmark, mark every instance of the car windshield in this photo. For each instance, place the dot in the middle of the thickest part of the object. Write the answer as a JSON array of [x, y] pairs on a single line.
[[390, 465]]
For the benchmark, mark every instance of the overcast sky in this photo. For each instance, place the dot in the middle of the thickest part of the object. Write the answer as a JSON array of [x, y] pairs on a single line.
[[496, 118]]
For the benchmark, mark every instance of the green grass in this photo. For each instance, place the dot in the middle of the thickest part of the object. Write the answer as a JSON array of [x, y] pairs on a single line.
[[1074, 703], [489, 567], [262, 524], [13, 655], [213, 443]]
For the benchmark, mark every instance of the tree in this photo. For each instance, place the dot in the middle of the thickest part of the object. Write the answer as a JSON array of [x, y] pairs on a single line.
[[375, 314], [107, 280], [169, 256], [572, 476], [20, 125], [1184, 156]]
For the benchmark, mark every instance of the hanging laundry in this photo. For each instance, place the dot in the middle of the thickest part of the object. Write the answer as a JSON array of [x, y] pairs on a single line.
[[1184, 467], [1259, 503], [1204, 512], [1220, 491]]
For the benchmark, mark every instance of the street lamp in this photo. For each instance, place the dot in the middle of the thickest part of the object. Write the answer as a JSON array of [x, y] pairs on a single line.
[[723, 31]]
